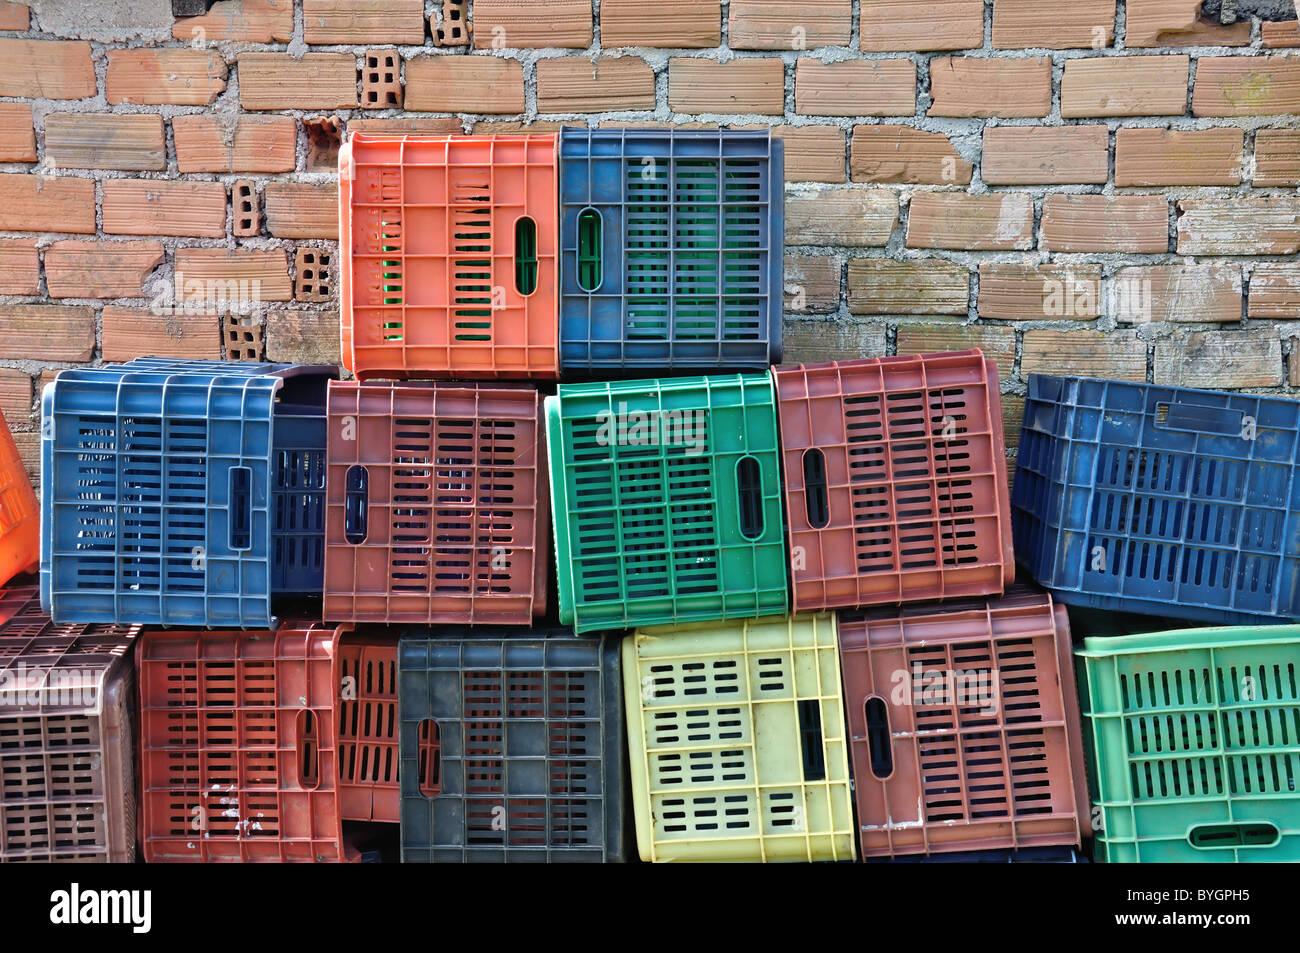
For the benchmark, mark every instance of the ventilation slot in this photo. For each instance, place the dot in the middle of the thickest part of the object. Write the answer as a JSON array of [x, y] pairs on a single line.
[[525, 256], [1223, 836], [749, 490], [241, 507], [589, 245], [816, 500], [878, 740], [356, 496]]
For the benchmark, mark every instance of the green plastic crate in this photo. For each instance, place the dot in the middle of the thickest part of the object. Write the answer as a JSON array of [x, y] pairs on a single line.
[[1196, 744], [667, 501]]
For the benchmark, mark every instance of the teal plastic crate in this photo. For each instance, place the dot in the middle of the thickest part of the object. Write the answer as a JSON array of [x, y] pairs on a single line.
[[1195, 745], [667, 501]]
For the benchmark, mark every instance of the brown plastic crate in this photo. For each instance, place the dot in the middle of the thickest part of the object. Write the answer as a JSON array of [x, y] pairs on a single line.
[[964, 721], [436, 503], [895, 480], [67, 790], [256, 746]]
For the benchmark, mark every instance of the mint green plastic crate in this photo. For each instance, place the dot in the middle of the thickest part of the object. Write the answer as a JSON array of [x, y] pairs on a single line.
[[1195, 738], [667, 501]]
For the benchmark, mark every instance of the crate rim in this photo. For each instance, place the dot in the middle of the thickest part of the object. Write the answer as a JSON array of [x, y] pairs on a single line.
[[1184, 640]]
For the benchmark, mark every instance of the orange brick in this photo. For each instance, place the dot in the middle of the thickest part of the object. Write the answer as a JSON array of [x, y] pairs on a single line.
[[1283, 35], [695, 23], [536, 24], [574, 84], [1153, 157], [1253, 225], [1246, 86], [1220, 359], [855, 88], [1119, 355], [788, 24], [313, 274], [1040, 292], [1187, 293], [15, 16], [1125, 86], [963, 86], [999, 222], [885, 286], [363, 21], [470, 84], [240, 274], [812, 283], [1277, 157], [246, 209], [46, 69], [46, 332], [1033, 24], [240, 21], [1275, 290], [297, 210], [154, 77], [1087, 223], [129, 333], [906, 155], [740, 86], [906, 26], [16, 398], [278, 81], [20, 267], [812, 153], [158, 207], [259, 143], [18, 144], [406, 126], [381, 80], [100, 269], [488, 127], [1036, 155], [105, 141], [853, 217], [997, 343], [1178, 23], [40, 203]]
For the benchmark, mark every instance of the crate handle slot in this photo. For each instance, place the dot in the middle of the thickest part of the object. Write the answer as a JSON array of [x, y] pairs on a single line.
[[878, 738], [356, 503], [810, 738], [749, 493], [525, 256], [430, 764], [815, 498], [308, 750], [590, 227], [1226, 836], [1199, 419], [241, 507]]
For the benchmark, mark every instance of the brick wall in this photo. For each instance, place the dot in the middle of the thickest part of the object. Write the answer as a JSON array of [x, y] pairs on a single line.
[[1093, 186]]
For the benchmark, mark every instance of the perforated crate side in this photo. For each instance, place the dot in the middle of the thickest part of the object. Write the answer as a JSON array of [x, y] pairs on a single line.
[[1166, 501], [20, 528], [366, 713], [667, 501], [1194, 744], [671, 250], [513, 748], [895, 480], [437, 508], [438, 261], [965, 726], [66, 745], [737, 741]]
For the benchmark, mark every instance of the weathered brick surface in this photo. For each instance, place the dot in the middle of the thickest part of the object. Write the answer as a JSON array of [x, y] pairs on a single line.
[[239, 274], [18, 144], [40, 203], [812, 283], [278, 81], [48, 69], [1275, 290], [1050, 155], [478, 84], [789, 24], [812, 153], [1126, 86], [1256, 225], [885, 153], [1079, 24], [1216, 359], [967, 86], [1040, 292], [156, 77], [953, 220], [1178, 293], [363, 21], [240, 21], [1282, 35], [1239, 86], [100, 269], [749, 85], [1100, 223], [695, 23], [532, 23], [854, 217], [20, 267], [134, 142], [576, 84], [885, 286], [46, 332], [1178, 23], [1155, 157], [131, 332], [303, 337], [16, 398], [919, 25], [257, 144], [1119, 355], [14, 16], [811, 342], [997, 343], [156, 207], [1277, 157], [299, 210], [871, 88]]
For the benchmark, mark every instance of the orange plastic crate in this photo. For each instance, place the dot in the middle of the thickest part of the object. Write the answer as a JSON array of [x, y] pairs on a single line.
[[20, 527], [443, 276]]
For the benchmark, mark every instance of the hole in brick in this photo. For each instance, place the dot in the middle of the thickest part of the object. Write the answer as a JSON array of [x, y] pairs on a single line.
[[313, 275], [454, 28], [244, 339], [324, 136], [381, 83]]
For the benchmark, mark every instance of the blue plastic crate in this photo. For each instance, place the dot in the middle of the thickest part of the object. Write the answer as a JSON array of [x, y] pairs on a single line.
[[1160, 500], [181, 492], [671, 248]]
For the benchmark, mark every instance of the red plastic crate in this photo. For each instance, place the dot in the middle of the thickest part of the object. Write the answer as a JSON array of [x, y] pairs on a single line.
[[964, 725], [67, 790], [436, 503], [253, 744], [20, 525], [895, 480], [443, 274]]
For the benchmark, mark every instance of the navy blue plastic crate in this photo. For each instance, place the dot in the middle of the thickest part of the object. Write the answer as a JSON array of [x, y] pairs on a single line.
[[512, 748], [1160, 500], [181, 492], [671, 248]]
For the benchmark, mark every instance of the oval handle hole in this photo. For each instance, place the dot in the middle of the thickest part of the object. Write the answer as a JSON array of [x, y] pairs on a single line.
[[878, 741], [430, 759], [816, 499], [749, 493], [355, 501], [1225, 836], [308, 749], [589, 246], [525, 256], [241, 507]]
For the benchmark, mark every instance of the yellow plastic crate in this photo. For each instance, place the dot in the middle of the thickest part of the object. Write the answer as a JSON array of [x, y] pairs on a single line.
[[737, 740]]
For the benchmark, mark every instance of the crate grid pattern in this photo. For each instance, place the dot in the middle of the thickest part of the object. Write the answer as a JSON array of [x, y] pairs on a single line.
[[456, 522], [67, 789], [1194, 744], [738, 743], [427, 226], [19, 512], [895, 477], [512, 749], [982, 749], [689, 249], [648, 522], [1162, 500], [367, 730]]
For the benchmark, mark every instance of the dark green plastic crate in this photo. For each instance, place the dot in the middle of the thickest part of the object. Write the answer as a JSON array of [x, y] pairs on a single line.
[[678, 520]]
